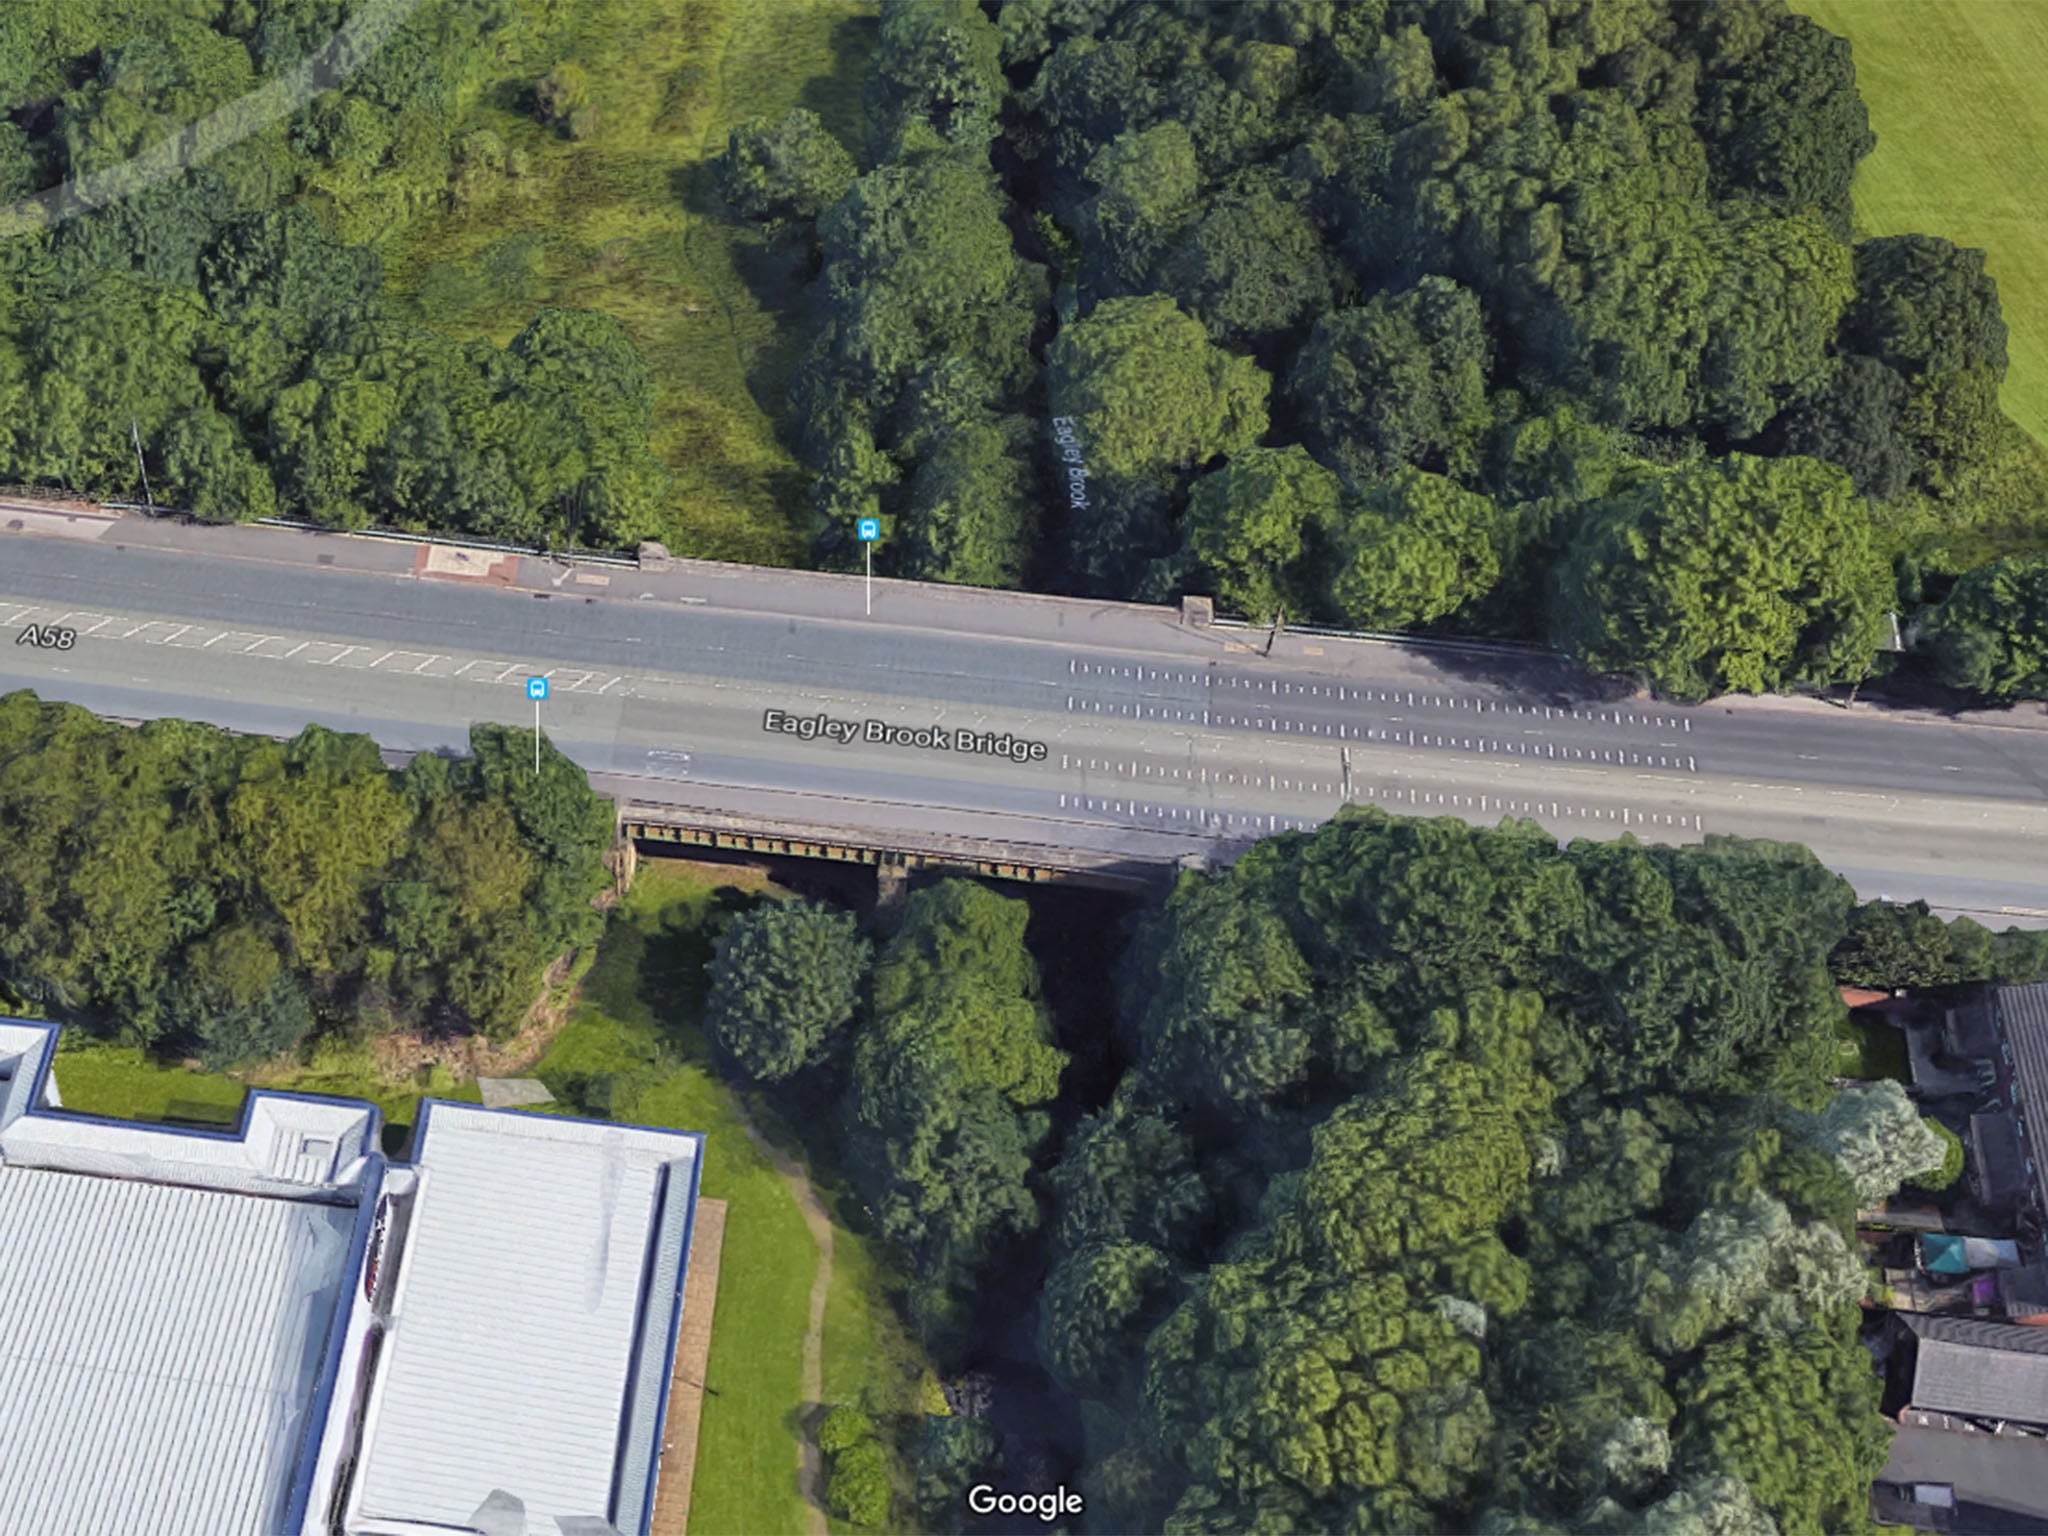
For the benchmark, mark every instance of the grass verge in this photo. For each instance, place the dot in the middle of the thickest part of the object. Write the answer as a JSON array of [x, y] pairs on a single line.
[[870, 1361]]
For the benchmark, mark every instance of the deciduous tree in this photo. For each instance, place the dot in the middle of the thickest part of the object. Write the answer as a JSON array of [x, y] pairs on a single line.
[[1415, 548], [1741, 574], [785, 978], [1251, 531], [947, 1084], [1990, 636], [1401, 379], [1153, 401], [788, 170]]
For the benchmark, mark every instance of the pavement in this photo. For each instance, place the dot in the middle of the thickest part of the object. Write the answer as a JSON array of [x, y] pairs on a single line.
[[1156, 738]]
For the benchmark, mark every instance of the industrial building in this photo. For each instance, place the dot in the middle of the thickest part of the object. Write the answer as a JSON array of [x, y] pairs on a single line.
[[277, 1329]]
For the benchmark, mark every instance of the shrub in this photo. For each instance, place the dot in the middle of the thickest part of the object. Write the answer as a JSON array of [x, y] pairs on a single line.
[[857, 1489]]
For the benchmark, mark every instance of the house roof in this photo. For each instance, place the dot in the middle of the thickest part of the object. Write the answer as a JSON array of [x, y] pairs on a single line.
[[532, 1326], [2006, 1473], [1970, 1028], [2022, 1014], [1999, 1155], [1979, 1369], [159, 1349]]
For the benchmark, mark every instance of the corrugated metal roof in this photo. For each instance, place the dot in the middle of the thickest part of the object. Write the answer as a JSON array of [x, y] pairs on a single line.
[[159, 1347], [2022, 1014], [1980, 1369], [516, 1322]]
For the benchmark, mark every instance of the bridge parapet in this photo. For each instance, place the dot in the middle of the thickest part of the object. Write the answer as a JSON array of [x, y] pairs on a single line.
[[682, 826]]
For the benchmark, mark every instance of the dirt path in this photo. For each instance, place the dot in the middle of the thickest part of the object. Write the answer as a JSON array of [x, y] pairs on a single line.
[[810, 1461]]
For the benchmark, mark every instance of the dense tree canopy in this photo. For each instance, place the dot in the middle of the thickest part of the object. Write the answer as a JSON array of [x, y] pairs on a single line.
[[1991, 634], [927, 315], [1152, 400], [790, 170], [1250, 533], [1392, 236], [945, 1101], [231, 318], [1744, 575], [226, 894], [1888, 945], [786, 977], [1464, 1182], [1414, 549], [1397, 237], [1399, 380]]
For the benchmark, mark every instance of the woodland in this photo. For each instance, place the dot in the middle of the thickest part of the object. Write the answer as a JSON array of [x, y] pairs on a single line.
[[1545, 321], [1408, 1176], [1542, 321]]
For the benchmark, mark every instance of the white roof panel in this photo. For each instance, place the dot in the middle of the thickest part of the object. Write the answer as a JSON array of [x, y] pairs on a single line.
[[160, 1346], [517, 1318]]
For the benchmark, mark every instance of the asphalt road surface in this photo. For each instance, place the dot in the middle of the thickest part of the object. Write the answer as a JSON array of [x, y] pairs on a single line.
[[1154, 735]]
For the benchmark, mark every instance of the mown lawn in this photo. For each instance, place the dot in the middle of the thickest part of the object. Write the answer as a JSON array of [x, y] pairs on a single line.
[[626, 220], [1958, 95], [127, 1083], [117, 1080], [632, 1049]]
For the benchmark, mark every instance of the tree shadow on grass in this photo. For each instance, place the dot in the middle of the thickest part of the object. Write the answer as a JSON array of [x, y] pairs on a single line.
[[201, 1113], [695, 186], [835, 95], [652, 972]]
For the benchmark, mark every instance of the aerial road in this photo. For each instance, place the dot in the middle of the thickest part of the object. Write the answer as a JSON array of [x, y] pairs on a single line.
[[1055, 721]]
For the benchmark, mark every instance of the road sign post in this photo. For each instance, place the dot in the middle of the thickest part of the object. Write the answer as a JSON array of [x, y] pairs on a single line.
[[869, 529], [536, 690]]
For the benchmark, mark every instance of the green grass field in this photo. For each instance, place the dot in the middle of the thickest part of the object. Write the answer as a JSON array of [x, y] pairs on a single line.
[[626, 221], [1958, 95], [632, 1049]]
